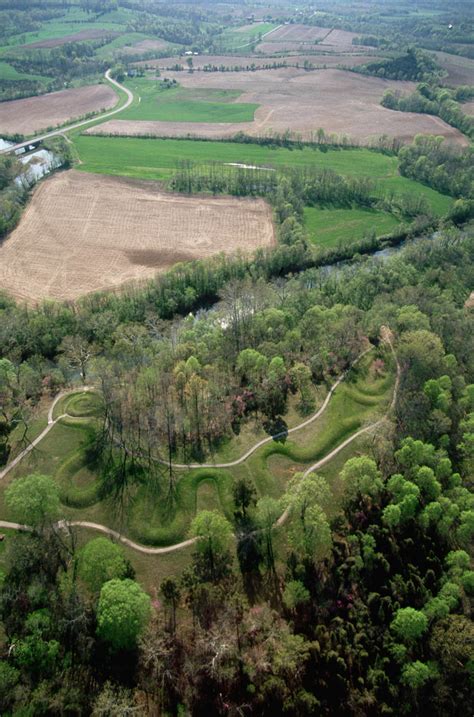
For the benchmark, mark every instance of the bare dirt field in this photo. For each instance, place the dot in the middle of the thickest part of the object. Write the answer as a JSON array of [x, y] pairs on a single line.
[[37, 113], [301, 38], [144, 46], [85, 232], [292, 99], [460, 69], [468, 108], [298, 33], [75, 37], [260, 61]]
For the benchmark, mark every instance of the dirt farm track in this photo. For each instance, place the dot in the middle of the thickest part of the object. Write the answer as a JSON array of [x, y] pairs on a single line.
[[84, 232]]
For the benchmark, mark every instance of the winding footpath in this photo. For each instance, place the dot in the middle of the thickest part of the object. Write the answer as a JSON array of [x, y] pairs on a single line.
[[76, 125], [68, 524], [51, 423]]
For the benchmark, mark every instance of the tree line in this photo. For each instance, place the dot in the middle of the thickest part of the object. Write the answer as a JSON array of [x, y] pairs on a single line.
[[438, 101], [350, 607]]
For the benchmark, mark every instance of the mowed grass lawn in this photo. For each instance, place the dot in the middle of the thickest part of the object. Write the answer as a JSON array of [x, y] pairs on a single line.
[[329, 227], [157, 159], [179, 104]]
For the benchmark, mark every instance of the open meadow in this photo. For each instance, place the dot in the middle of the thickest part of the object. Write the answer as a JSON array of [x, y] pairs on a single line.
[[81, 233], [329, 227], [152, 101], [298, 101], [158, 159], [33, 114]]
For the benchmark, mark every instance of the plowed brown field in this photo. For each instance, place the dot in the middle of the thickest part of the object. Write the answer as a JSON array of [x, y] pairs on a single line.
[[299, 101], [38, 113], [85, 232], [75, 37]]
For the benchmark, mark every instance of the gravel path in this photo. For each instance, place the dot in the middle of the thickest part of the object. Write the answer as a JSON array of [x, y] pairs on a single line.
[[65, 525]]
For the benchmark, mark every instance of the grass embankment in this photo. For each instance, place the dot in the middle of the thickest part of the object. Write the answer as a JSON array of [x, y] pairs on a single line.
[[157, 159], [179, 104], [148, 516]]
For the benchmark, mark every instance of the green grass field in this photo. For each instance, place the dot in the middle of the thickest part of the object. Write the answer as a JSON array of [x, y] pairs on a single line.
[[8, 72], [180, 104], [329, 227], [158, 158], [233, 39]]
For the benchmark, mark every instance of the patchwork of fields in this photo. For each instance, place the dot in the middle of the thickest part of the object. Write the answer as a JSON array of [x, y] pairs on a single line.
[[295, 100], [158, 159], [153, 102], [82, 233]]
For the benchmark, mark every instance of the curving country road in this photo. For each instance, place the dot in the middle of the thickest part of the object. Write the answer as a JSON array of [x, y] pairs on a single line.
[[76, 125], [65, 525]]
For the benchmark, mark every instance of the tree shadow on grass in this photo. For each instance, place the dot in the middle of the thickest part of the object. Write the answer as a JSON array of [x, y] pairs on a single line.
[[277, 429]]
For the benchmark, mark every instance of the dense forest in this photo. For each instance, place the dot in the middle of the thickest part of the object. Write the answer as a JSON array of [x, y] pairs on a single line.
[[356, 614], [168, 548]]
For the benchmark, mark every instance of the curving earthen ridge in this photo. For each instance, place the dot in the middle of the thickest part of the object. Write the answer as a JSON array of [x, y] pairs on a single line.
[[67, 524]]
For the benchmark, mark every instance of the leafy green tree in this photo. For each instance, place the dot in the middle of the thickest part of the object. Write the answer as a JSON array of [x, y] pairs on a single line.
[[100, 561], [295, 594], [416, 674], [214, 534], [123, 611], [171, 593], [244, 494], [267, 513], [9, 677], [409, 624], [309, 534], [361, 478], [33, 500], [392, 515]]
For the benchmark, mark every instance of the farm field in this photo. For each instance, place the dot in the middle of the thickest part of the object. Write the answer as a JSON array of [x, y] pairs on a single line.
[[82, 233], [8, 72], [158, 158], [133, 45], [152, 102], [56, 32], [89, 34], [318, 59], [460, 69], [302, 102], [243, 36], [330, 227], [30, 115], [300, 38]]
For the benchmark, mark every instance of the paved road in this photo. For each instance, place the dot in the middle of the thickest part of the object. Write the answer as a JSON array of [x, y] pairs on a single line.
[[76, 125]]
